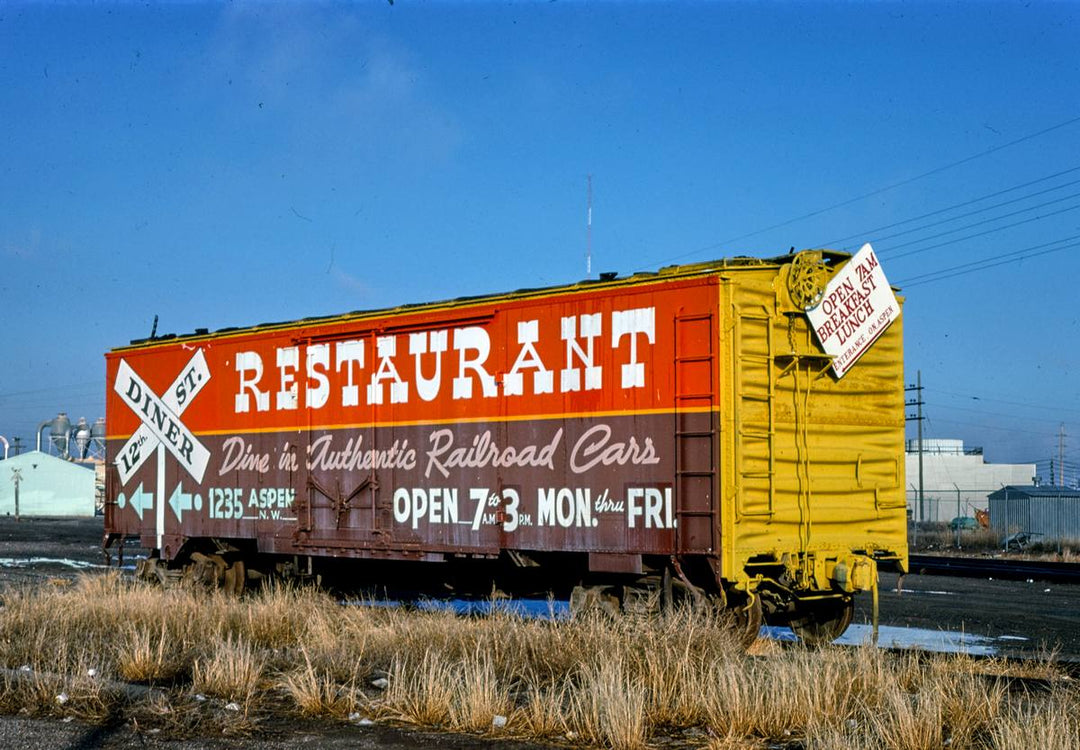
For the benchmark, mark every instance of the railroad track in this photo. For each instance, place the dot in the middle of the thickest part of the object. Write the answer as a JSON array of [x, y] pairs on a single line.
[[1014, 570]]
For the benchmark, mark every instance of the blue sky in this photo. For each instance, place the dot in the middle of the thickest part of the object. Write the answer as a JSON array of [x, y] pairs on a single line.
[[222, 165]]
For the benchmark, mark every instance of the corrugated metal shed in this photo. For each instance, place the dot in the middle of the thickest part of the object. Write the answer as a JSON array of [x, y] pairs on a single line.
[[48, 486], [1051, 511]]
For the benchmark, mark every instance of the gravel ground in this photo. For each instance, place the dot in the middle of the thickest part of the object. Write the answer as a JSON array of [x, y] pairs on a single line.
[[77, 539], [1045, 615], [1019, 618]]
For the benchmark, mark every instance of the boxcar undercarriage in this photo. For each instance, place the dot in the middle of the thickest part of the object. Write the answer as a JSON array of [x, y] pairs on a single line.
[[779, 592]]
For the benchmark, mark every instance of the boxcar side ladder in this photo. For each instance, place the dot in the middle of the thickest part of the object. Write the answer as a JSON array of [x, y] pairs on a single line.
[[695, 432], [753, 378]]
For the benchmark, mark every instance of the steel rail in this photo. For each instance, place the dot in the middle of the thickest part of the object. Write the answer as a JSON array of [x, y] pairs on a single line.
[[1006, 569]]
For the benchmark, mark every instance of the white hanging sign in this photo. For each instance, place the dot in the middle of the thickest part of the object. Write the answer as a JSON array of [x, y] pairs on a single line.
[[857, 307]]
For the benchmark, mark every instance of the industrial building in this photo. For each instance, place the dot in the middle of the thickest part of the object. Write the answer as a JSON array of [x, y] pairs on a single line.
[[69, 483], [956, 480], [47, 486], [1041, 512]]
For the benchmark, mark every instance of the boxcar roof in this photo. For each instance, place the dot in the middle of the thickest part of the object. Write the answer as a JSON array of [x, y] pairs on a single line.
[[606, 280]]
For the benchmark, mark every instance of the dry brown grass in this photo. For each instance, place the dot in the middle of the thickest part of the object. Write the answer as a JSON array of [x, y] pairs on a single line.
[[420, 690], [1051, 724], [939, 537], [79, 693], [479, 696], [542, 709], [231, 670], [607, 708], [622, 683], [436, 689], [316, 693], [145, 655]]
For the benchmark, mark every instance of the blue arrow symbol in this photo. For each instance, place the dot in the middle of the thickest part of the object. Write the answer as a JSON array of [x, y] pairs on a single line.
[[141, 501], [181, 501]]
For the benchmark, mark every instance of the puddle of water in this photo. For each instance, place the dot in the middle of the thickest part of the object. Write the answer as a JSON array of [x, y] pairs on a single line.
[[889, 636], [23, 562], [939, 641], [923, 639], [540, 609]]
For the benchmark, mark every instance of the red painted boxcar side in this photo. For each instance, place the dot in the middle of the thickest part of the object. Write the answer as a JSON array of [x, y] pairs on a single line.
[[533, 423]]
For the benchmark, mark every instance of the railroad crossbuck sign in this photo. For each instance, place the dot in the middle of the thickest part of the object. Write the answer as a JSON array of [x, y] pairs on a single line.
[[160, 416]]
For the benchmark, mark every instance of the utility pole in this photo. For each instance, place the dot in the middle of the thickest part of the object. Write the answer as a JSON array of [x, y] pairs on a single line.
[[16, 477], [918, 416], [957, 514], [1061, 456]]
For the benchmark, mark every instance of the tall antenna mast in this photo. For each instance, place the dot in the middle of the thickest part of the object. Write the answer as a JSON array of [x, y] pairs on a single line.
[[588, 231]]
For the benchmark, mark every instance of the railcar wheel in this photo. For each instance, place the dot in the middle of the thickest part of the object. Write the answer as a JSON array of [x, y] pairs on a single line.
[[152, 570], [235, 578], [586, 600], [215, 571], [819, 623]]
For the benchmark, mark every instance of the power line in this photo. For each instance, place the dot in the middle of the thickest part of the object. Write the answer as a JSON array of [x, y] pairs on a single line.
[[979, 211], [54, 389], [983, 263], [992, 219], [43, 399], [1068, 464], [993, 413], [1001, 401], [982, 234], [9, 402], [1038, 461], [870, 232], [879, 191], [991, 427]]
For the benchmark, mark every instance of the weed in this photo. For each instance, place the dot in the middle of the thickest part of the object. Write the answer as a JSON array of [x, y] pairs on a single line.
[[144, 655], [231, 670], [218, 664], [608, 706], [316, 693]]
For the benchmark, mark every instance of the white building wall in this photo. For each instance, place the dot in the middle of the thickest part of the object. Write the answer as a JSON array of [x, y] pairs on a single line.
[[949, 477], [48, 486]]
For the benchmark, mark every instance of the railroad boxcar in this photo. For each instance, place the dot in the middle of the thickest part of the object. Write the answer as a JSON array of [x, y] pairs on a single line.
[[623, 440]]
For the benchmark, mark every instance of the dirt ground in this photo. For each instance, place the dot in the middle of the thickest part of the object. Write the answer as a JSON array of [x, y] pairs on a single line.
[[1018, 618], [49, 734], [77, 539], [1021, 619]]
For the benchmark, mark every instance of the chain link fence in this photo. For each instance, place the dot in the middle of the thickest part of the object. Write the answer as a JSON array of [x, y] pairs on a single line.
[[1044, 520]]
